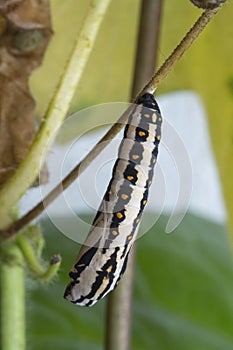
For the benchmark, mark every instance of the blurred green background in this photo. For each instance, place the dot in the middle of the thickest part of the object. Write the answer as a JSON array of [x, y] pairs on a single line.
[[183, 282]]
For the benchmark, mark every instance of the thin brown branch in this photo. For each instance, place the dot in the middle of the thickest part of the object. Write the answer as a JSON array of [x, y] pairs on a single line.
[[118, 322], [156, 80], [148, 36], [176, 55]]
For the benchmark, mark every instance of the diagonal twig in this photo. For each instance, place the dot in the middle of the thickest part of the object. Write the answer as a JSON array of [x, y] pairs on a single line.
[[151, 86]]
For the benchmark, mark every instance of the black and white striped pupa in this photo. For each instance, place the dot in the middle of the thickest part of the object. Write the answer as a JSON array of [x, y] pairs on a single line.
[[102, 259]]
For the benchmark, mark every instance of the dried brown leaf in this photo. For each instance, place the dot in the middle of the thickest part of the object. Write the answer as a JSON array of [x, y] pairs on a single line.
[[25, 29]]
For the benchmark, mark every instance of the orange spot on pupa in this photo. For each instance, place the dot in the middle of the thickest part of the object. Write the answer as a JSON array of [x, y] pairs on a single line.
[[119, 215], [147, 115], [154, 117], [109, 269], [114, 233], [124, 196], [144, 202], [141, 133], [135, 156], [129, 237], [130, 178]]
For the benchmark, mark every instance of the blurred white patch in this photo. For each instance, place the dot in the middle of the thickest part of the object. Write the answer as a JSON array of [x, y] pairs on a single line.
[[185, 112], [186, 177]]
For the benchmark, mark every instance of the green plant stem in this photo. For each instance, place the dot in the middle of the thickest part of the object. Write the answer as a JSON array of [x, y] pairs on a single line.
[[33, 262], [52, 270], [29, 168], [12, 299], [29, 255]]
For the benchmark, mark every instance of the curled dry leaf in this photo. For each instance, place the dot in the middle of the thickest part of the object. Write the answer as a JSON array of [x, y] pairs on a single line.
[[25, 30]]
